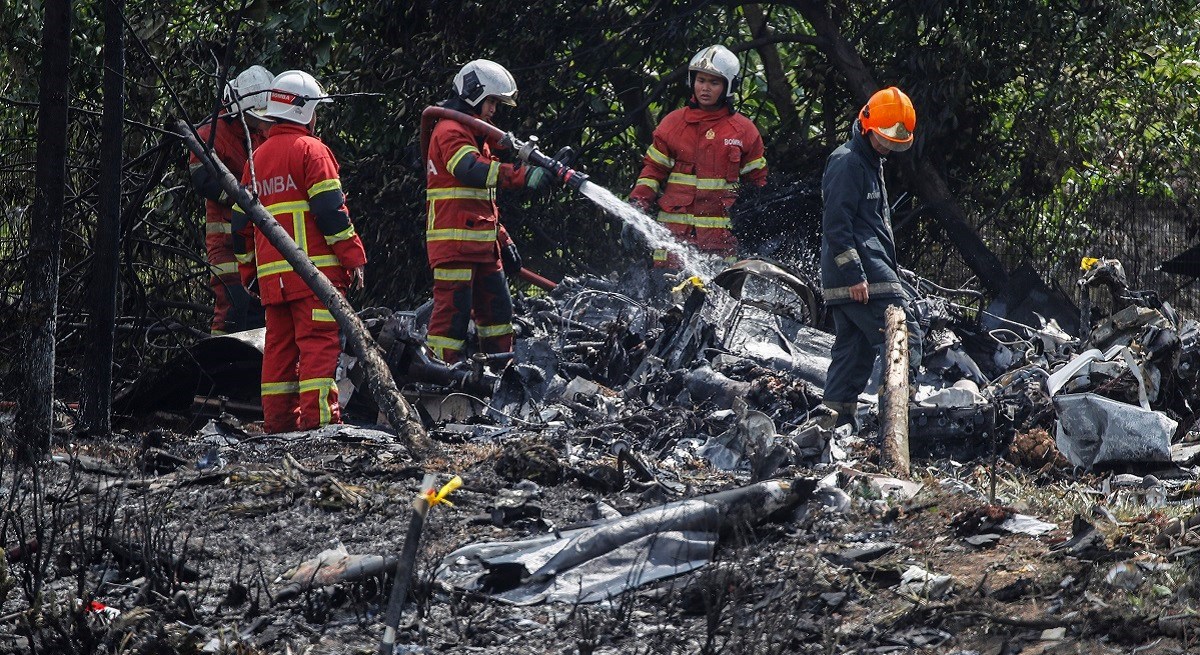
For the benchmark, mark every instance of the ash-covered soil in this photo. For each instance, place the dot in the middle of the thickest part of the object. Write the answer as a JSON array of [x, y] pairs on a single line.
[[188, 560]]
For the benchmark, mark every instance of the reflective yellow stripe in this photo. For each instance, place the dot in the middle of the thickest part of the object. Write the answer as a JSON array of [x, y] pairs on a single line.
[[659, 158], [287, 207], [227, 268], [439, 345], [648, 182], [458, 193], [245, 257], [493, 175], [660, 255], [488, 331], [279, 388], [452, 274], [874, 289], [754, 165], [315, 384], [218, 228], [322, 315], [347, 233], [273, 268], [322, 386], [705, 183], [846, 257], [458, 155], [300, 230], [695, 221], [681, 178], [283, 266], [460, 235], [712, 184], [323, 186]]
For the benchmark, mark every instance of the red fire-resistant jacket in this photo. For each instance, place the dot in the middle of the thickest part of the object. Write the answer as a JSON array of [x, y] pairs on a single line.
[[229, 145], [462, 220], [697, 160], [297, 182]]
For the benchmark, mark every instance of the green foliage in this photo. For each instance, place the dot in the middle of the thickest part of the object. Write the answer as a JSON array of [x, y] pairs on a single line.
[[1039, 113]]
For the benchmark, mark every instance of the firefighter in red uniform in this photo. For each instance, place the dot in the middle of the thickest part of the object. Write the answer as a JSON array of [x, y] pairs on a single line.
[[700, 154], [469, 250], [296, 178], [245, 98]]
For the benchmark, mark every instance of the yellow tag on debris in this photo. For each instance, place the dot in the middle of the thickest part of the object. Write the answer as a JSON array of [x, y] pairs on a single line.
[[447, 489], [1088, 263], [694, 280]]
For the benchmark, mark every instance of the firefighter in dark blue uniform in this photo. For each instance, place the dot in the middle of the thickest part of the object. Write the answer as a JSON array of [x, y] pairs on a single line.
[[859, 271]]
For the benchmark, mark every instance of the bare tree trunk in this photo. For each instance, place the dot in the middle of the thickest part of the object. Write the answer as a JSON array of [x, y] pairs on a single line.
[[39, 301], [893, 397], [379, 377], [928, 180], [101, 298], [778, 88]]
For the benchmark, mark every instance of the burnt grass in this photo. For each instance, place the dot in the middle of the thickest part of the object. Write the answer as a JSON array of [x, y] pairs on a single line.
[[190, 559]]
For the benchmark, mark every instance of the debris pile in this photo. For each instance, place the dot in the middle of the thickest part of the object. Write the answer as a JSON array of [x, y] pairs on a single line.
[[661, 474]]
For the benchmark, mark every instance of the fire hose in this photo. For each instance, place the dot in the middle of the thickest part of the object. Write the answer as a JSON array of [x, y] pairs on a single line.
[[526, 150]]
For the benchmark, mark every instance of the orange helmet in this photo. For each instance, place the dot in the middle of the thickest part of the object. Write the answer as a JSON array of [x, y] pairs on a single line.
[[890, 114]]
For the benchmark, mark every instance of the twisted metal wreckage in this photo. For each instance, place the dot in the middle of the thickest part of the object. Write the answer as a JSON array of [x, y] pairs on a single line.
[[732, 372]]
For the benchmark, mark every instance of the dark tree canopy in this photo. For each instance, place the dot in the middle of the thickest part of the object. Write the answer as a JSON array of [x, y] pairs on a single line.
[[1062, 127]]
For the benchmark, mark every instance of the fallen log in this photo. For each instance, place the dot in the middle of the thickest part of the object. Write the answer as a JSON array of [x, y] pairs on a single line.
[[379, 378], [893, 397]]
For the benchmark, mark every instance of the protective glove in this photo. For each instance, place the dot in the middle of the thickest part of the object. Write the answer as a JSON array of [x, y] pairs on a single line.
[[245, 309], [357, 278], [510, 257], [640, 204], [538, 179]]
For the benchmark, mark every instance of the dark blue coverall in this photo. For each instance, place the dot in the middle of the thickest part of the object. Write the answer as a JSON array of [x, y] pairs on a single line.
[[856, 245]]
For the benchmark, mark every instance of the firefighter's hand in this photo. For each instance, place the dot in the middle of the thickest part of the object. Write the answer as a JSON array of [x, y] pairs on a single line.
[[510, 257], [858, 292], [641, 204], [356, 278], [538, 179], [239, 307]]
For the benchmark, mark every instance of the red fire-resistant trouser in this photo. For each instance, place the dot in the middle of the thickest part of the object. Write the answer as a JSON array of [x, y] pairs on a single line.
[[299, 362], [460, 288], [223, 267]]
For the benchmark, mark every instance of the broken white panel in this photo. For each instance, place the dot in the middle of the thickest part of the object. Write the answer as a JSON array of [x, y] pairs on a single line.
[[919, 582], [1025, 524], [951, 397]]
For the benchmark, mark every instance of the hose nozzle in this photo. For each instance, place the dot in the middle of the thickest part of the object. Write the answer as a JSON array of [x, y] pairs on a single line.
[[558, 165]]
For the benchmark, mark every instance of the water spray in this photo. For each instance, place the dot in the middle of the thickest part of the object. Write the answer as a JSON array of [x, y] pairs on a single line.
[[655, 234]]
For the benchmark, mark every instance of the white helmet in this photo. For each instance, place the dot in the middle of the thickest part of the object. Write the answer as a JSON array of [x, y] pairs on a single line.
[[715, 60], [252, 84], [482, 78], [294, 97]]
